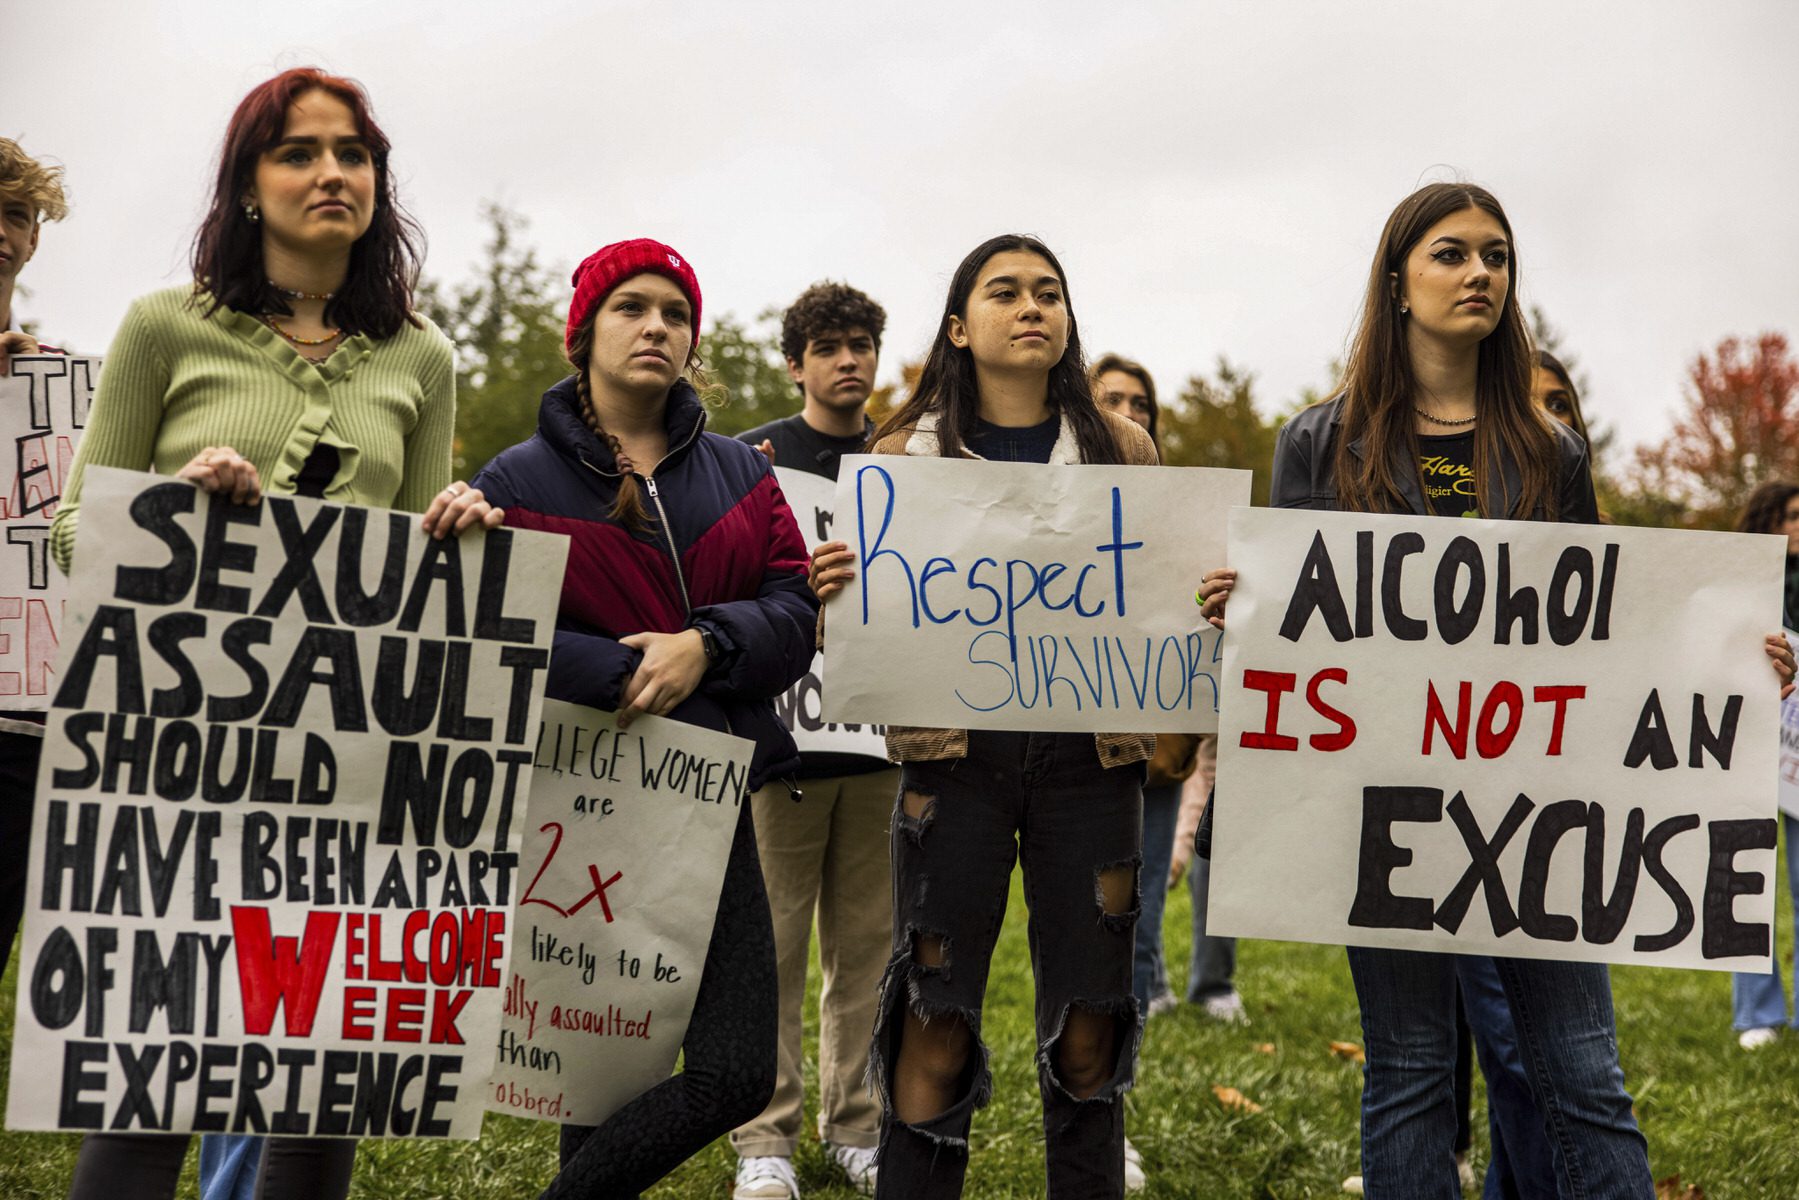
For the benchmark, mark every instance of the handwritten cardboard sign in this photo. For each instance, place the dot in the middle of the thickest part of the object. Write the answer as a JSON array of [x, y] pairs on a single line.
[[43, 410], [1499, 737], [801, 706], [624, 860], [994, 595], [276, 842]]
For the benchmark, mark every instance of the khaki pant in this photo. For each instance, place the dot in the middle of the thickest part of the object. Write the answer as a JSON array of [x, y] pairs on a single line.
[[829, 853]]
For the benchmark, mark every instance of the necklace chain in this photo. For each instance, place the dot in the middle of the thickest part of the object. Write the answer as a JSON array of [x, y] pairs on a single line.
[[272, 323], [1443, 420], [295, 294]]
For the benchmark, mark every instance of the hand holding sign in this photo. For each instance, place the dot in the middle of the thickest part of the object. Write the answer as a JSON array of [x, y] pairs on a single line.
[[222, 469], [833, 566]]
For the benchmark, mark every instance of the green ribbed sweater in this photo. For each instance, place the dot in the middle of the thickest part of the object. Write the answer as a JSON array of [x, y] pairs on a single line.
[[176, 382]]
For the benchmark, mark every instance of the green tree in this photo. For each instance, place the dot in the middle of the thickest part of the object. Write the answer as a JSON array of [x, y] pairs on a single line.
[[507, 324], [1215, 423], [749, 374]]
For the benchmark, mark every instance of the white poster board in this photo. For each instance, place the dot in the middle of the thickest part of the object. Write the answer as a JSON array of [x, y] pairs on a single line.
[[996, 595], [276, 841], [43, 409], [1497, 737], [624, 860], [801, 706]]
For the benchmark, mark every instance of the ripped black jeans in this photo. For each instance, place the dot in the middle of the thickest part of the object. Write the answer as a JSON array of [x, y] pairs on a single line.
[[1044, 799]]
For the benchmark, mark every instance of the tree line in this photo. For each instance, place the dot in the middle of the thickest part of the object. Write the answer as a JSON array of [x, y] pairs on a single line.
[[1738, 425]]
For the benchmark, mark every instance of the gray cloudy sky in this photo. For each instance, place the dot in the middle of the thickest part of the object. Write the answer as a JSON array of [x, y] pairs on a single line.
[[1212, 175]]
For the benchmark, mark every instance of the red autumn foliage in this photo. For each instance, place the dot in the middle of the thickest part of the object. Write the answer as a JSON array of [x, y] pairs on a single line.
[[1740, 428]]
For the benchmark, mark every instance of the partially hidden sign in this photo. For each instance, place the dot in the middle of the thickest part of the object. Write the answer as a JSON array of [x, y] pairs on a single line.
[[276, 844], [997, 595], [44, 404], [623, 863], [1496, 737], [801, 706]]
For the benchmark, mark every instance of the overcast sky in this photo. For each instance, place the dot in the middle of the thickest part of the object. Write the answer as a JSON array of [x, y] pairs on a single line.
[[1213, 176]]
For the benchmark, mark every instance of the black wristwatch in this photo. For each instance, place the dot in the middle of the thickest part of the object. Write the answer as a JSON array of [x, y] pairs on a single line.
[[709, 640]]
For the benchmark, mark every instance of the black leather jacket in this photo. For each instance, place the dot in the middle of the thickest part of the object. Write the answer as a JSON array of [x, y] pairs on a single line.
[[1305, 474]]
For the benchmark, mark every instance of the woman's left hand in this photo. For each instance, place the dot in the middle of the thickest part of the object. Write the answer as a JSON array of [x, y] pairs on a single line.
[[459, 507], [1782, 654], [672, 666]]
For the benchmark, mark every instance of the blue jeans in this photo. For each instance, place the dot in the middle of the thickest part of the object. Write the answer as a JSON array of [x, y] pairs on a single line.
[[228, 1166], [1522, 1166], [1214, 967], [1567, 1041], [1149, 971], [1759, 1001]]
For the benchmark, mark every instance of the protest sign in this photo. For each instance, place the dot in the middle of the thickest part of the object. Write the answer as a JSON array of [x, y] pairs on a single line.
[[275, 850], [1789, 746], [1497, 737], [625, 858], [993, 595], [43, 409], [801, 706]]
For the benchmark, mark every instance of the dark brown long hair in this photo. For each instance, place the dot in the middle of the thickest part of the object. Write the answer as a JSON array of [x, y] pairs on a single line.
[[947, 384], [1379, 382], [376, 296], [1765, 510]]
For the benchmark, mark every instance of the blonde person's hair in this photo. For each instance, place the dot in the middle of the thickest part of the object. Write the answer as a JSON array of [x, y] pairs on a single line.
[[40, 186]]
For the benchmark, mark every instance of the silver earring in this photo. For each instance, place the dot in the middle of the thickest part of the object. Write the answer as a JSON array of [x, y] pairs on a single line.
[[251, 212], [1404, 309]]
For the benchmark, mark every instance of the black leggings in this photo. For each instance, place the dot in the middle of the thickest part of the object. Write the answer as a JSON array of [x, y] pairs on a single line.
[[146, 1166], [728, 1072]]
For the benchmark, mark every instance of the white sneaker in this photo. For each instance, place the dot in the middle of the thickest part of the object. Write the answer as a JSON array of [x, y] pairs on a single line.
[[765, 1178], [1755, 1039], [858, 1162], [1353, 1185], [1226, 1007], [1166, 1002], [1134, 1178]]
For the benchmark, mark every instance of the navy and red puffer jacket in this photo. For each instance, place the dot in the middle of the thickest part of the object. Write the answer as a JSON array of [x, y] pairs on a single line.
[[723, 553]]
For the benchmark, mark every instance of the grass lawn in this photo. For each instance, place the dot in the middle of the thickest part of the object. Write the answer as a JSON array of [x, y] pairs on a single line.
[[1721, 1118]]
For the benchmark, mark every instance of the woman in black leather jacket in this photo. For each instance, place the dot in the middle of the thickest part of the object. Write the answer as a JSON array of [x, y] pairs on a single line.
[[1436, 419]]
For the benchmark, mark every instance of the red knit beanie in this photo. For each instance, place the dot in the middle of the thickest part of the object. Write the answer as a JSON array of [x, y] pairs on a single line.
[[610, 266]]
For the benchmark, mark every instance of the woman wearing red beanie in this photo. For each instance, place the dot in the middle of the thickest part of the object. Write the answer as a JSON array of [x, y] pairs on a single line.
[[685, 597]]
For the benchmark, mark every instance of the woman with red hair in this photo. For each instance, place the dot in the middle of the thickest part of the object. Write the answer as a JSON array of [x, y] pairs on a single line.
[[293, 364]]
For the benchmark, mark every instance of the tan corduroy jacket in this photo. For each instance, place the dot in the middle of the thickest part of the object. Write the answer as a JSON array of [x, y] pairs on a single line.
[[916, 744]]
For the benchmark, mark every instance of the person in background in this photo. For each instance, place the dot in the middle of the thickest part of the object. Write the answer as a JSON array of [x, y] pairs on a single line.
[[30, 194], [1124, 387], [828, 853], [685, 597], [1759, 1002], [1005, 380], [1552, 390], [1211, 973], [294, 364]]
